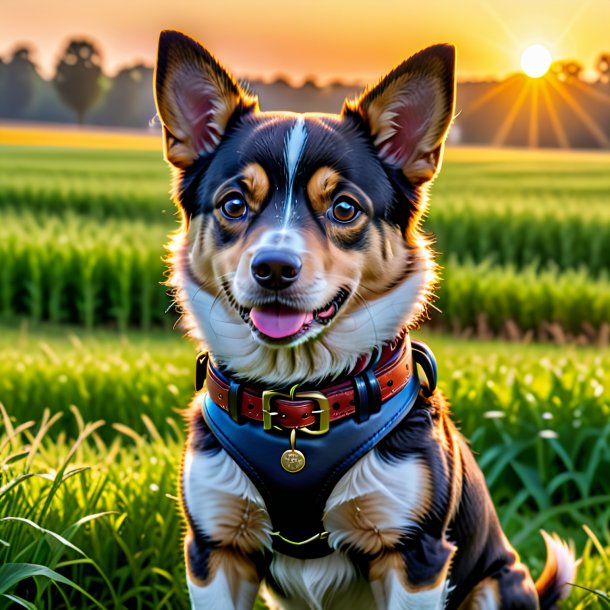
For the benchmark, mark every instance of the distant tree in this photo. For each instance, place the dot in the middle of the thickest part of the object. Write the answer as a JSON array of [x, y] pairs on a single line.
[[603, 68], [283, 81], [18, 79], [567, 70], [79, 78], [2, 87], [129, 101], [310, 83]]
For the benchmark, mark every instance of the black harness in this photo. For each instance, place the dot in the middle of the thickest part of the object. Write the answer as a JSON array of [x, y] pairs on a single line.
[[295, 501]]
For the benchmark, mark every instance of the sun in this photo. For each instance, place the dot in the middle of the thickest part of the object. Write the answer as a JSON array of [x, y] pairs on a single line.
[[536, 61]]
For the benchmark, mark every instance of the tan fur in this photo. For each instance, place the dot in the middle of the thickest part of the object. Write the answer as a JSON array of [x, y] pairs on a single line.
[[256, 182], [361, 517], [234, 563], [320, 188], [485, 590], [243, 527]]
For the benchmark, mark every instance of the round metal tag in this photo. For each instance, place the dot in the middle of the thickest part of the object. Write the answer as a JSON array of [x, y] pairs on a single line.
[[292, 460]]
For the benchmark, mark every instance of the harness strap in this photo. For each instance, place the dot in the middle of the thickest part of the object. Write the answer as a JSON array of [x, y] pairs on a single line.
[[423, 356], [295, 502]]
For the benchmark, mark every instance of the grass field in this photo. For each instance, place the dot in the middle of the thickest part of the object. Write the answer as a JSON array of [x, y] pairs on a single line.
[[539, 425], [90, 425]]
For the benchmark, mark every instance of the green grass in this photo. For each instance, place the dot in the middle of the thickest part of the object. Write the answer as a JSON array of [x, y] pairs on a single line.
[[537, 415], [537, 418], [116, 376], [115, 502]]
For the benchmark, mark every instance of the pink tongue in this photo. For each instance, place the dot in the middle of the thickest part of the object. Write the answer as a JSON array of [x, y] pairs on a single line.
[[278, 321]]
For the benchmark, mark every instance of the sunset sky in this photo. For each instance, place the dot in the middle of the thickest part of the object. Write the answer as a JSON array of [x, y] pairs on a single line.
[[353, 41]]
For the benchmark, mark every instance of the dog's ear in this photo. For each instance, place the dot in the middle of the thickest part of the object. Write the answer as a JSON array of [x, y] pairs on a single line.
[[409, 111], [196, 97]]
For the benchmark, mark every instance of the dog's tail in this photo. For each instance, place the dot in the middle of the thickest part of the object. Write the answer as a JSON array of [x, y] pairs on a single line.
[[559, 570]]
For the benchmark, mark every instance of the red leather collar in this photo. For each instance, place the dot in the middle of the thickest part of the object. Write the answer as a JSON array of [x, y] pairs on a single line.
[[298, 409]]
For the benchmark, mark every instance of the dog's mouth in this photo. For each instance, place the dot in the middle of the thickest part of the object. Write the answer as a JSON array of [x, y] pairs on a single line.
[[279, 322]]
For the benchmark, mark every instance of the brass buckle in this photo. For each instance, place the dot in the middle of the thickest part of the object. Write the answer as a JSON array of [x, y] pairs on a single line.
[[317, 397]]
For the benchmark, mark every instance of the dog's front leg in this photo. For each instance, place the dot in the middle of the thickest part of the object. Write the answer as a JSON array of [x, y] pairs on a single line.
[[219, 578], [414, 578], [228, 528]]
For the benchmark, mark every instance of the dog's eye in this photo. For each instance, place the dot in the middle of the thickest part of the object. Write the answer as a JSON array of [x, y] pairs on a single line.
[[345, 210], [234, 207]]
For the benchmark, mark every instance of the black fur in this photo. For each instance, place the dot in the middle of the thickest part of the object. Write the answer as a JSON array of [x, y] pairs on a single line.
[[341, 145]]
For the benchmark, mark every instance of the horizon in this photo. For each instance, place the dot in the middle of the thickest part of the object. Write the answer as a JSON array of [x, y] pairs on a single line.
[[489, 38]]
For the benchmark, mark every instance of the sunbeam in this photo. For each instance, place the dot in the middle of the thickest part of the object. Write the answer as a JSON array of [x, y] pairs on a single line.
[[588, 90], [532, 136], [587, 121], [487, 96], [502, 132], [560, 134]]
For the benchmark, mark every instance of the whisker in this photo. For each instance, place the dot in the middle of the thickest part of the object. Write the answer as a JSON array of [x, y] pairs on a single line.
[[366, 305]]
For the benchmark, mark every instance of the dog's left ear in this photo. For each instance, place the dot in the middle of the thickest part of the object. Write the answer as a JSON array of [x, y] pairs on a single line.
[[196, 98], [410, 110]]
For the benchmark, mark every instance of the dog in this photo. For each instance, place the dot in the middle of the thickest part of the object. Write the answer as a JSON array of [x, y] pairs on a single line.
[[322, 469]]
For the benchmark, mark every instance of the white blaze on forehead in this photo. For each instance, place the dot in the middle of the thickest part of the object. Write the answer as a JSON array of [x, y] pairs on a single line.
[[294, 145]]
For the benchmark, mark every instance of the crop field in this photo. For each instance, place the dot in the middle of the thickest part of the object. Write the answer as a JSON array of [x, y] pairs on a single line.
[[76, 270], [513, 254], [94, 378]]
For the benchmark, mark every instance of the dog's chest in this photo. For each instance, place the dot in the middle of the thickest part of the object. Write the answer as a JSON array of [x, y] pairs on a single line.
[[369, 509]]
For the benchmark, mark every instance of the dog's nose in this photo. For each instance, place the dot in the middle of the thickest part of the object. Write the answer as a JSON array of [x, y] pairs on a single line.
[[276, 269]]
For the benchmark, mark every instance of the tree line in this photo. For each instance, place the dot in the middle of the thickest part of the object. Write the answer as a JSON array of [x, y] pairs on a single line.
[[78, 91]]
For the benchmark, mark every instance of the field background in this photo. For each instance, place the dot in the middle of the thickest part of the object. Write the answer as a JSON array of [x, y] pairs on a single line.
[[93, 375]]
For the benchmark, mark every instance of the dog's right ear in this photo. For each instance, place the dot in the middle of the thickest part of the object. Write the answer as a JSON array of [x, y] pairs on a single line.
[[195, 96]]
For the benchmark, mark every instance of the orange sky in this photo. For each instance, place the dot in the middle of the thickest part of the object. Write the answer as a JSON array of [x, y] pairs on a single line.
[[327, 38]]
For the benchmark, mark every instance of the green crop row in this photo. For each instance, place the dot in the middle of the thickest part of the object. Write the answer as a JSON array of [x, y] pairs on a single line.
[[127, 183], [510, 208], [81, 271], [523, 239], [123, 184], [485, 173], [473, 294], [77, 271]]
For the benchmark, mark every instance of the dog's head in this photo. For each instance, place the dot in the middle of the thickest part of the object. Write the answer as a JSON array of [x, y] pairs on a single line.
[[300, 249]]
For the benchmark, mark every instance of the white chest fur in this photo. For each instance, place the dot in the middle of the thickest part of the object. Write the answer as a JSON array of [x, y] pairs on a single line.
[[372, 505]]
